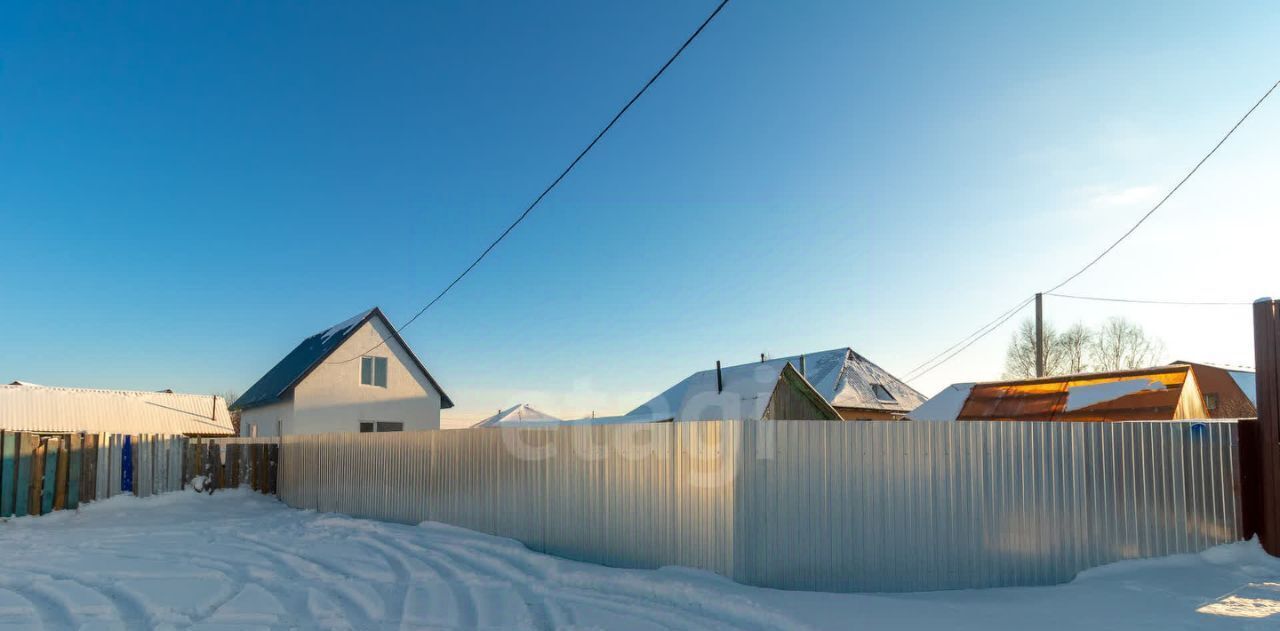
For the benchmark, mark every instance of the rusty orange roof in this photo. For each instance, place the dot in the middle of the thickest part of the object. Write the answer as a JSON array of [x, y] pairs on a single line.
[[1178, 391], [1167, 392]]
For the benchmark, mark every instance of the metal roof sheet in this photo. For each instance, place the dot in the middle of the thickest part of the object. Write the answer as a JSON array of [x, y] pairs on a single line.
[[517, 413], [1142, 394], [841, 376], [32, 408]]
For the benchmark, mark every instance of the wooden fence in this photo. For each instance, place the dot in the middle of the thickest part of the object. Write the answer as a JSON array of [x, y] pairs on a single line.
[[227, 464], [42, 473]]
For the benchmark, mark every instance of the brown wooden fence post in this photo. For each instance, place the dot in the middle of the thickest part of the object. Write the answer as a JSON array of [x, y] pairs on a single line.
[[273, 467], [1266, 344]]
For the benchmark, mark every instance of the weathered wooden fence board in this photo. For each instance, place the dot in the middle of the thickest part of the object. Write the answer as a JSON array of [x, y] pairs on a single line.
[[25, 469], [8, 472], [37, 478], [63, 469], [42, 474], [142, 460], [75, 453], [102, 475], [49, 483], [115, 473], [89, 469]]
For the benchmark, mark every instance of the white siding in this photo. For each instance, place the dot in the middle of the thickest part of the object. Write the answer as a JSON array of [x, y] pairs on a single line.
[[332, 399], [266, 418]]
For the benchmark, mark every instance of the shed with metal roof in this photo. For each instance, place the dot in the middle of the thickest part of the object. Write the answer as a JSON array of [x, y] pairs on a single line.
[[51, 409], [1175, 392]]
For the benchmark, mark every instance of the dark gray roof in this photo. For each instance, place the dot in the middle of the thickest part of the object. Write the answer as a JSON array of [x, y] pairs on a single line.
[[309, 354]]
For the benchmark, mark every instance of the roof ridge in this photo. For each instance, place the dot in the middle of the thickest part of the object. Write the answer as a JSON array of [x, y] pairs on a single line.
[[307, 355], [106, 390]]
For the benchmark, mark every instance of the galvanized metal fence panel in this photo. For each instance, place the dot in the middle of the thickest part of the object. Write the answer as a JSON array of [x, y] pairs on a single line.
[[857, 506]]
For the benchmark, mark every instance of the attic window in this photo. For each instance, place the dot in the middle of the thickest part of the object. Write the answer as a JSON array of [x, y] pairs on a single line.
[[1211, 401], [882, 393], [373, 371]]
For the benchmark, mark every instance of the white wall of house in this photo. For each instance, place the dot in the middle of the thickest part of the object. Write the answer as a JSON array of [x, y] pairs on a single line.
[[266, 418], [332, 399]]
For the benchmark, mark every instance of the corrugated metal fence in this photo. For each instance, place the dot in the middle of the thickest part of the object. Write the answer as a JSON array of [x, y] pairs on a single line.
[[859, 506]]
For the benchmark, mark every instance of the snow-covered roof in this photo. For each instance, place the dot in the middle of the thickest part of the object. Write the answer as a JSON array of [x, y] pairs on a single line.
[[32, 408], [849, 380], [944, 406], [745, 395], [519, 413], [627, 419], [841, 376]]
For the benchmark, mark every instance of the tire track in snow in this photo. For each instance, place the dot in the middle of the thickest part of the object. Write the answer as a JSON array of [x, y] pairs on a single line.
[[548, 614], [744, 614], [325, 579], [403, 577], [512, 565], [53, 614], [459, 585], [657, 613], [129, 609], [292, 601]]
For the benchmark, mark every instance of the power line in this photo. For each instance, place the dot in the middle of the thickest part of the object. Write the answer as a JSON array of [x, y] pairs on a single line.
[[1169, 194], [984, 331], [1152, 302], [556, 181], [990, 330]]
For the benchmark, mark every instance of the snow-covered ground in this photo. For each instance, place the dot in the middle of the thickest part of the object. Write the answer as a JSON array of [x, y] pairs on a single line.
[[238, 560]]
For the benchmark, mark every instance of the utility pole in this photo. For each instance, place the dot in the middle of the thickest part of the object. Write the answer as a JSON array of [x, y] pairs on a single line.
[[1039, 335]]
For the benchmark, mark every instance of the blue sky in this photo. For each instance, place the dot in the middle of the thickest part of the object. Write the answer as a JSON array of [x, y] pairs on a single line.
[[188, 190]]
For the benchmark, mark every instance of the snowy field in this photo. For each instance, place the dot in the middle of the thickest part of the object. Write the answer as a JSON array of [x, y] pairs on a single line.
[[241, 561]]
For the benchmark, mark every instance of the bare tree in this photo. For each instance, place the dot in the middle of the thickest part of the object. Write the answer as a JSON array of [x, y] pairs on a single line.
[[1073, 344], [230, 397], [1020, 358], [1120, 344]]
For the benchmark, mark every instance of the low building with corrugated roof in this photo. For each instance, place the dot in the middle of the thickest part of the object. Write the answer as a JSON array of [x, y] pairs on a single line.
[[1181, 391], [26, 407]]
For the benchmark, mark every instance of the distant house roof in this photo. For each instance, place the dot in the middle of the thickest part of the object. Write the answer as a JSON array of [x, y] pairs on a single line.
[[49, 409], [944, 406], [1178, 391], [743, 393], [849, 380], [841, 376], [518, 413], [1235, 389], [591, 420], [311, 352]]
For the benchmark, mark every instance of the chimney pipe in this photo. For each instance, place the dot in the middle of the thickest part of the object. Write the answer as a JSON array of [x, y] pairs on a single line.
[[719, 378], [762, 358], [802, 367]]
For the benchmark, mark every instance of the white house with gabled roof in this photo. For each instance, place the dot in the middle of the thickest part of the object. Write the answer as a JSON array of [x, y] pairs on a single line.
[[356, 376]]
